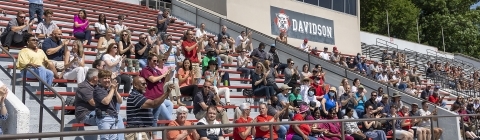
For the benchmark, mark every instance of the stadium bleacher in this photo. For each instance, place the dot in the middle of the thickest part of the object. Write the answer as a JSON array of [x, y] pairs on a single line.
[[139, 19]]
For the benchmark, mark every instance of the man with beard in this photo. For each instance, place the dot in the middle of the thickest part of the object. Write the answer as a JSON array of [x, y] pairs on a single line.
[[55, 49], [139, 109]]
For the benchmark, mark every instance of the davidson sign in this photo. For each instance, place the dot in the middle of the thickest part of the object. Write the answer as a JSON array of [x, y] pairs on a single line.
[[301, 26]]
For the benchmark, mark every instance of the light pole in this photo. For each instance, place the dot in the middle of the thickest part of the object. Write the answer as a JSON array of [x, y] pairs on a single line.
[[388, 25]]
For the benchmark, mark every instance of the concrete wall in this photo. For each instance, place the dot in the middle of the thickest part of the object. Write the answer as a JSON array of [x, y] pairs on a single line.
[[257, 17], [18, 121], [217, 6]]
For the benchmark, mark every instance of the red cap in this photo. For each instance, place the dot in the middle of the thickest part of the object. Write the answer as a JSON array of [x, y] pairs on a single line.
[[335, 49], [305, 40]]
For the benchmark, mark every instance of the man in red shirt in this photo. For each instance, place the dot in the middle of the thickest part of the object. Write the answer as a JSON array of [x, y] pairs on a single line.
[[191, 48], [436, 99]]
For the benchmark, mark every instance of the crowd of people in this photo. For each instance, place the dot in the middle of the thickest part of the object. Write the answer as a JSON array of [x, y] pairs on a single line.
[[161, 75]]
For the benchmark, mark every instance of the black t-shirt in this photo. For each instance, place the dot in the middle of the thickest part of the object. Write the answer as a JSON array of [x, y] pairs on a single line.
[[98, 94], [140, 46], [83, 94], [199, 97], [128, 53]]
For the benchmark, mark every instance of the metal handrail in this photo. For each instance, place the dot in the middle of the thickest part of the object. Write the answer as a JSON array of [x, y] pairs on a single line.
[[344, 72], [387, 43], [40, 101], [14, 75], [163, 128]]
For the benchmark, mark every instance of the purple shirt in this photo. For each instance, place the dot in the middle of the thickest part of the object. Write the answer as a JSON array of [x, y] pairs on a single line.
[[79, 21], [154, 90]]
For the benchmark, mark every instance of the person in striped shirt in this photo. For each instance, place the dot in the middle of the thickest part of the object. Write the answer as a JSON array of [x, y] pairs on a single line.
[[139, 109]]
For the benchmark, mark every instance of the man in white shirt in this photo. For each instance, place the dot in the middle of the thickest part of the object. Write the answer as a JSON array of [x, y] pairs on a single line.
[[325, 55], [45, 27], [304, 46], [437, 132], [383, 77], [243, 42], [201, 32]]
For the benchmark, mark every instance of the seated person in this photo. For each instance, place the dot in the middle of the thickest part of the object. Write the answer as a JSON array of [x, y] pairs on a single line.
[[259, 83], [206, 98], [80, 27], [352, 127], [190, 134], [186, 79], [15, 32], [210, 46], [46, 27], [300, 131], [56, 49], [103, 44], [263, 132], [34, 59], [409, 124], [75, 63], [243, 132], [169, 83], [399, 132], [139, 108], [106, 98], [425, 123], [211, 55], [242, 64], [373, 129], [361, 99], [213, 75], [98, 64], [113, 62], [142, 50], [295, 97], [224, 50], [329, 101], [210, 118], [125, 46], [3, 110], [436, 99], [244, 42], [347, 100], [334, 129]]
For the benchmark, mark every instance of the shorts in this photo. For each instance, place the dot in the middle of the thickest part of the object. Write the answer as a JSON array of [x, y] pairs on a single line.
[[399, 134], [59, 65], [137, 136]]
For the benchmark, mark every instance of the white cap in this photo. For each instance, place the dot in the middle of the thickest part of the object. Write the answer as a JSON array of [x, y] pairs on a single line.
[[244, 106]]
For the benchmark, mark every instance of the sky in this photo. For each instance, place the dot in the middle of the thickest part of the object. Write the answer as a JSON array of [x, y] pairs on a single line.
[[475, 5]]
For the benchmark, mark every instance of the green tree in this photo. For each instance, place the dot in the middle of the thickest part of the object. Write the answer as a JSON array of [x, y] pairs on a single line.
[[402, 16]]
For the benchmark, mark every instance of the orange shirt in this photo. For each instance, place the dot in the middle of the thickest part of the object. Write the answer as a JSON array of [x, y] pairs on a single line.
[[264, 134], [181, 73], [172, 134], [305, 128], [238, 130]]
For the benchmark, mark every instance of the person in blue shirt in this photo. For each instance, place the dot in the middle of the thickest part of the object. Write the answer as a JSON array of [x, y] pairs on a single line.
[[361, 99], [329, 101]]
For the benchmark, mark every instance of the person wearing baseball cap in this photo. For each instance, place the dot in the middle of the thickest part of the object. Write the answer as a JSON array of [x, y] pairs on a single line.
[[304, 45], [329, 100], [361, 99], [304, 127]]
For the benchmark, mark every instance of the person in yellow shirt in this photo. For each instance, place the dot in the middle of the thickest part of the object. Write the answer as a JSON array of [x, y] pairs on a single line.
[[34, 59]]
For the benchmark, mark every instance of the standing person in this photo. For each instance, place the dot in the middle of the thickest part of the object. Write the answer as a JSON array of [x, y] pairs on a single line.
[[191, 48], [139, 108], [163, 20], [35, 7], [155, 83], [106, 98]]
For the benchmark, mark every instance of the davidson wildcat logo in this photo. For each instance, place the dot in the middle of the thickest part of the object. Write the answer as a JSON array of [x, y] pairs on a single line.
[[282, 21]]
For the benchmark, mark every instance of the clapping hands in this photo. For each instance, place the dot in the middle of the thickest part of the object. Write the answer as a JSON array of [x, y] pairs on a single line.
[[3, 93]]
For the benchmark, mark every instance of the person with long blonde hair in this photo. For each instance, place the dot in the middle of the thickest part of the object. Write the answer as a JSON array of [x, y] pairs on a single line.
[[75, 63], [126, 47]]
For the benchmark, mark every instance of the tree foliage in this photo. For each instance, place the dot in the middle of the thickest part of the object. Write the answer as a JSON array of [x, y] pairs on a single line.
[[460, 24]]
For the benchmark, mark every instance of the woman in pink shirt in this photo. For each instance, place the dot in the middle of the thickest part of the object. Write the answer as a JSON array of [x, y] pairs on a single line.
[[175, 93], [80, 27]]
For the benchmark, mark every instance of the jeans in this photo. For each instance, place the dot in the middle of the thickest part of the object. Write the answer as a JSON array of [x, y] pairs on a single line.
[[245, 72], [12, 39], [33, 9], [142, 62], [264, 91], [360, 112], [282, 131], [109, 122], [45, 74], [219, 61], [298, 137], [355, 116], [85, 35], [163, 112]]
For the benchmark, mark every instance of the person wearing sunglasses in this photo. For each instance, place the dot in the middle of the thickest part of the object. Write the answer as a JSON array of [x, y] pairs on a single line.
[[15, 31], [119, 28], [139, 108], [142, 50], [125, 47], [36, 60]]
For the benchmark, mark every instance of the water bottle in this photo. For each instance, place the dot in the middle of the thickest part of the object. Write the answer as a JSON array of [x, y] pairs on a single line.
[[225, 83]]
